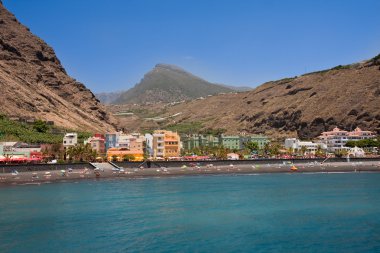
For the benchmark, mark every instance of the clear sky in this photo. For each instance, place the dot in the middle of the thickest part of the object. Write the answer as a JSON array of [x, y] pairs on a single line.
[[109, 45]]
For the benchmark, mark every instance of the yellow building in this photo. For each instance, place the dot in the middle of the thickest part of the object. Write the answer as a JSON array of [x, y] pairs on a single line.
[[166, 144], [134, 150]]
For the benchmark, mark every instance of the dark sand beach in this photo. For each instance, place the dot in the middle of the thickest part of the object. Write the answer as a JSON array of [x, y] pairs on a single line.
[[39, 177]]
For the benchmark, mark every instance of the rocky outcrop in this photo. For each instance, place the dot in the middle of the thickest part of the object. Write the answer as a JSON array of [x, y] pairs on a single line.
[[33, 82]]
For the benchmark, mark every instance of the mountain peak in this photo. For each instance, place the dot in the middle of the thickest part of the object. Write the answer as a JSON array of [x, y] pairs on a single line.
[[170, 67], [169, 83]]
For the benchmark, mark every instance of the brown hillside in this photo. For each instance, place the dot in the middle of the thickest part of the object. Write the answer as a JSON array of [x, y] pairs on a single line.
[[346, 96], [33, 82]]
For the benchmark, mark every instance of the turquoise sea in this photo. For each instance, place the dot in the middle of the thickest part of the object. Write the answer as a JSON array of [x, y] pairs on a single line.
[[245, 213]]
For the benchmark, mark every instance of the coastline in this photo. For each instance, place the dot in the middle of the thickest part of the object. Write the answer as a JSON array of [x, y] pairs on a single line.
[[39, 177]]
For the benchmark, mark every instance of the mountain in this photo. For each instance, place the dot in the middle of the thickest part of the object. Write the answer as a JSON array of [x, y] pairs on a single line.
[[108, 97], [237, 88], [169, 83], [34, 84], [345, 96]]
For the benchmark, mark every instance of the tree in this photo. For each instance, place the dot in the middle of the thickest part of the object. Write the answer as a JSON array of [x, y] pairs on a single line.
[[266, 148], [319, 151], [351, 144], [128, 158], [114, 158], [341, 153], [40, 126], [303, 150], [81, 153], [251, 146]]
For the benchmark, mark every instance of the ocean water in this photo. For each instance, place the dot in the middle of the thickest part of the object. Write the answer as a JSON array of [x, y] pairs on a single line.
[[245, 213]]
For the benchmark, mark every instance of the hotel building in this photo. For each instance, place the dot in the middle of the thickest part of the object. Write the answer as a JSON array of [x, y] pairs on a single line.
[[337, 138]]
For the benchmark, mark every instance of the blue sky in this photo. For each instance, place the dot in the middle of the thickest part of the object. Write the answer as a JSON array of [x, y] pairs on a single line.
[[109, 45]]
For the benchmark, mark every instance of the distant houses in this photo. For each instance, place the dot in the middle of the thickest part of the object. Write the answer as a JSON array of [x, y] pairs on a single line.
[[232, 142], [18, 152], [169, 145]]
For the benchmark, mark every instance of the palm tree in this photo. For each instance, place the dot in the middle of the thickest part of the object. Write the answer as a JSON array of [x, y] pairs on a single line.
[[303, 150]]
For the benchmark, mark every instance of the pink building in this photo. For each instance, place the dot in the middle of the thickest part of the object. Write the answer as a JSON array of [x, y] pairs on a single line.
[[337, 138], [97, 143]]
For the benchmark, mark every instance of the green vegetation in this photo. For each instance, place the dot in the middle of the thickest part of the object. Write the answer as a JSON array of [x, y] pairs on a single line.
[[367, 143], [286, 80], [128, 158], [81, 153], [40, 126], [376, 60], [186, 128], [219, 152], [251, 146], [316, 72], [146, 113], [82, 136], [37, 132], [341, 67], [327, 70], [215, 132], [341, 153]]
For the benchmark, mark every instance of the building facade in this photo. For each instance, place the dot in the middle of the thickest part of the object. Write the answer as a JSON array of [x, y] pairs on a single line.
[[97, 143], [309, 147], [166, 144], [259, 139], [192, 141], [336, 139], [125, 146], [232, 142], [70, 139]]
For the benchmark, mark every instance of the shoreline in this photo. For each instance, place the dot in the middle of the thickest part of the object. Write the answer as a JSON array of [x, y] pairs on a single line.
[[40, 177]]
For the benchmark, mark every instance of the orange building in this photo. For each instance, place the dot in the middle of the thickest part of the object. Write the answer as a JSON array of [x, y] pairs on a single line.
[[135, 150], [166, 144]]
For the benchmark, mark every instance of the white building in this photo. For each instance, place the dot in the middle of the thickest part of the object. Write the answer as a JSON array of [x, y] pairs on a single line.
[[336, 139], [296, 144], [70, 139], [149, 144], [356, 152]]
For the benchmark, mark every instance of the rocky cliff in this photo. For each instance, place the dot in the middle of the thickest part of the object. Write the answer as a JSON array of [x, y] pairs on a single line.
[[33, 82]]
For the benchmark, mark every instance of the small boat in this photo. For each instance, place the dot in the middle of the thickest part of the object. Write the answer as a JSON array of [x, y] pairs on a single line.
[[293, 168]]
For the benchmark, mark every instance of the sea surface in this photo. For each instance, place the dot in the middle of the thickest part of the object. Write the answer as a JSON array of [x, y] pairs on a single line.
[[246, 213]]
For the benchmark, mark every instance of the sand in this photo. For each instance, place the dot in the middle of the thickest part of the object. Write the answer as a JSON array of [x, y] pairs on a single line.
[[39, 177]]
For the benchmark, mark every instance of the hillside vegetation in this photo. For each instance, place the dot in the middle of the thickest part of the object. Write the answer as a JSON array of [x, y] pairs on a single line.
[[37, 132]]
